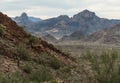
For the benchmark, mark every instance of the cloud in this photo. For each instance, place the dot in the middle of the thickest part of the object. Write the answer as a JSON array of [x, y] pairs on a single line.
[[42, 11], [52, 8]]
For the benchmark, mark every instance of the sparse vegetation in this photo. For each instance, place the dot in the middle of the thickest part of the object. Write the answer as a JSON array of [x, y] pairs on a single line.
[[90, 59], [41, 75], [105, 66], [40, 62], [55, 63], [32, 40], [13, 78], [2, 30], [22, 52], [54, 81], [27, 68], [46, 59]]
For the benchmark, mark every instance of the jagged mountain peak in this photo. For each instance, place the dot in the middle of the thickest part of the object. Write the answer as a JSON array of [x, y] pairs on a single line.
[[64, 16], [24, 15], [86, 21], [85, 13], [24, 19]]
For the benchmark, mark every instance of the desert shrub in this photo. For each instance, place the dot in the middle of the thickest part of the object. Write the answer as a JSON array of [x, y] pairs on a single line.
[[43, 58], [65, 72], [22, 52], [41, 75], [54, 81], [67, 69], [27, 68], [55, 63], [105, 66], [2, 30], [49, 60], [13, 78], [33, 39]]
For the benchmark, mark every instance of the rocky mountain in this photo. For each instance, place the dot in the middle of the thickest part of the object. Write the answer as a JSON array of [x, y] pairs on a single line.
[[89, 23], [54, 26], [25, 58], [34, 19], [106, 36], [25, 20], [85, 22]]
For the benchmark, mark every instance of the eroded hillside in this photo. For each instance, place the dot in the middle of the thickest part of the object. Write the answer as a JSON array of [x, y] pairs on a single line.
[[26, 58]]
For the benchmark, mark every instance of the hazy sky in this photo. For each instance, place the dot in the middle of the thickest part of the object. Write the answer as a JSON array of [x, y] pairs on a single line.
[[52, 8]]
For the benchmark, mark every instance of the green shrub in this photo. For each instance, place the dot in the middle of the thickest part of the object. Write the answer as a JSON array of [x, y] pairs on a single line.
[[54, 81], [41, 75], [55, 63], [23, 53], [13, 78], [27, 68], [2, 30], [32, 40], [47, 59], [105, 67]]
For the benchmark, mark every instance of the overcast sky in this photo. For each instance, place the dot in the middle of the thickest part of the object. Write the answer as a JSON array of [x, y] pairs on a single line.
[[52, 8]]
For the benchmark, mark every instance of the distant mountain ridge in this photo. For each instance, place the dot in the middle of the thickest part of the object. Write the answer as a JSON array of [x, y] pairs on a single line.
[[82, 24], [106, 36], [34, 19], [25, 20]]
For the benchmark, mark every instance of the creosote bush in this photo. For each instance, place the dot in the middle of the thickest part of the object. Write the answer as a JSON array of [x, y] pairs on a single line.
[[49, 60], [105, 66], [22, 52]]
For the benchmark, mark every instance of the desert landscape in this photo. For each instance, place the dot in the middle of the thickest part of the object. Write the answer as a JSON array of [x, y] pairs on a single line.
[[59, 43]]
